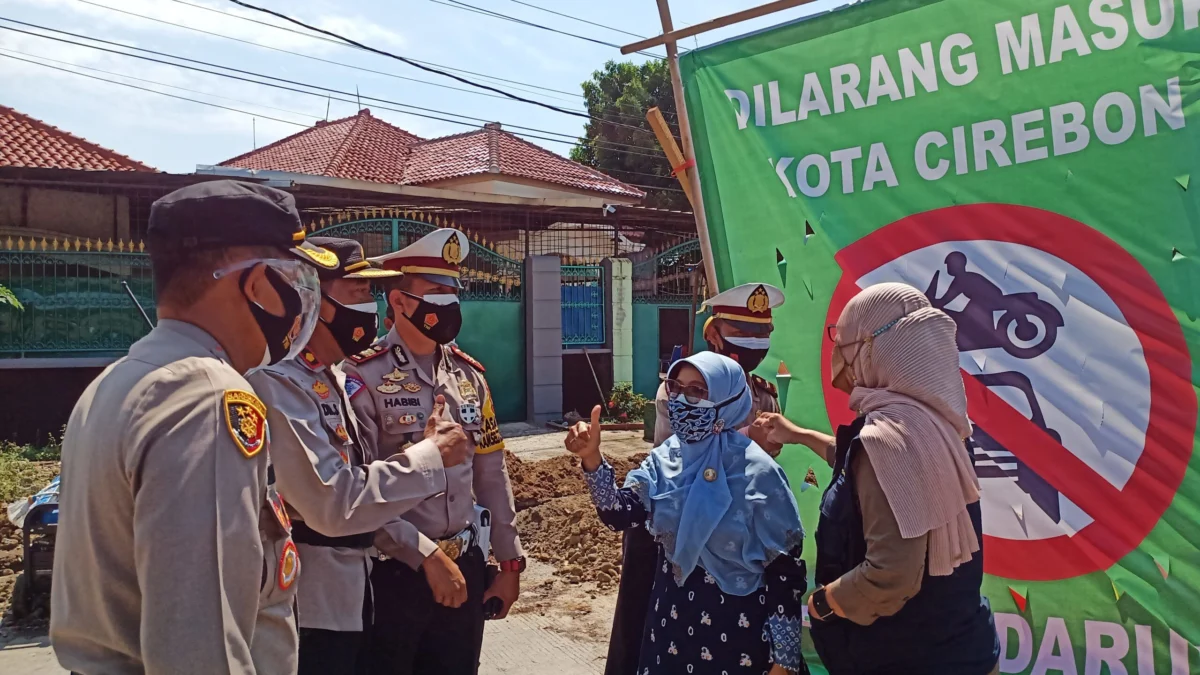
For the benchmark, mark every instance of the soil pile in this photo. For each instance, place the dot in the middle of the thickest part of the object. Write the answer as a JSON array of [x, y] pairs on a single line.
[[559, 525]]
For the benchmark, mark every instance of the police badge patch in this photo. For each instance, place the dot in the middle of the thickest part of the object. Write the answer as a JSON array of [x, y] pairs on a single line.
[[468, 413], [353, 385], [246, 420], [289, 566]]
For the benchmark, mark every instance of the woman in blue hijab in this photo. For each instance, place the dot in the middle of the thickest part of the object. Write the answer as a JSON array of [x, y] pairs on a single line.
[[727, 593]]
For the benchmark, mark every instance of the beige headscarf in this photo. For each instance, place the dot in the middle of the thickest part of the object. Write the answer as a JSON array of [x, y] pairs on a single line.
[[908, 385]]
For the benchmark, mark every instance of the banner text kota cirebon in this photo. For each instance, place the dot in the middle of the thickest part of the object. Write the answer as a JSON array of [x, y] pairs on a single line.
[[1060, 129]]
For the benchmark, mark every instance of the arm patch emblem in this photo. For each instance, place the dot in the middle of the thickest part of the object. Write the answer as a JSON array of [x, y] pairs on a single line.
[[246, 420]]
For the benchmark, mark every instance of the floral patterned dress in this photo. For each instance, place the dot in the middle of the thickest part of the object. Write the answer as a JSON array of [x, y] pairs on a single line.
[[696, 629]]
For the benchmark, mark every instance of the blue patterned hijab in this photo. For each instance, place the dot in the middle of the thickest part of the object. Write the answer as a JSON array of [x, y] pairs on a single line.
[[735, 524]]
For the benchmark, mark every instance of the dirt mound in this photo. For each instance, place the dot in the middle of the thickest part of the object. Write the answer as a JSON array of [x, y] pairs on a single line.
[[538, 482], [566, 533]]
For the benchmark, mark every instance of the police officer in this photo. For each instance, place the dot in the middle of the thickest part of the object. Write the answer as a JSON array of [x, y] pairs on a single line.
[[173, 554], [740, 328], [430, 581], [335, 493]]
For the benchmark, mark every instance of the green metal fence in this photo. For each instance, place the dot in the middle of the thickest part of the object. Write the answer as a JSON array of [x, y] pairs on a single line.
[[75, 302], [583, 307], [669, 277], [73, 296]]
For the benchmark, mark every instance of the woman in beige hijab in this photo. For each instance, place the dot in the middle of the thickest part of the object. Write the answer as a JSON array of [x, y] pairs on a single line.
[[899, 556]]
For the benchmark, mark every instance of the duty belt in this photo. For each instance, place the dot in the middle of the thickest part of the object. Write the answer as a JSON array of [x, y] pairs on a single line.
[[455, 546], [303, 534]]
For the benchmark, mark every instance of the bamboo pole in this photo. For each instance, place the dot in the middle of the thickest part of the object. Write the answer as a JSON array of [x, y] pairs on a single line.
[[662, 132], [669, 37], [689, 151]]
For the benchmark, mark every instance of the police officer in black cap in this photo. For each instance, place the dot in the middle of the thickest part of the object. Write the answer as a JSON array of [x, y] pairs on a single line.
[[174, 554]]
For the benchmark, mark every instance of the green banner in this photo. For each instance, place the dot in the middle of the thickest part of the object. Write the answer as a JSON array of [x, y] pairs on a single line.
[[1028, 166]]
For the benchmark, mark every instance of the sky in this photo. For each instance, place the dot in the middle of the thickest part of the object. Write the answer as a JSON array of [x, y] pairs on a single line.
[[176, 135]]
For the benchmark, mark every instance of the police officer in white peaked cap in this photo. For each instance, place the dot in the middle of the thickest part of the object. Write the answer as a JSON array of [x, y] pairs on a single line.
[[430, 580]]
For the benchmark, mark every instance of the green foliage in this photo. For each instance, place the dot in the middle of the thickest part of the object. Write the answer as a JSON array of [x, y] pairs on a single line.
[[7, 298], [25, 469], [51, 451], [620, 94], [625, 405]]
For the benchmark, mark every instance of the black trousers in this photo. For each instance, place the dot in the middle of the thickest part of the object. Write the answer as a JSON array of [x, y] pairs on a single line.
[[331, 652], [639, 554], [413, 634]]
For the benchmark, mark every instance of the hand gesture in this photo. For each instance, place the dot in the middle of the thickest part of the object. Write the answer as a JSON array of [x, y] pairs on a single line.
[[775, 429], [445, 579], [449, 436], [583, 440], [507, 587]]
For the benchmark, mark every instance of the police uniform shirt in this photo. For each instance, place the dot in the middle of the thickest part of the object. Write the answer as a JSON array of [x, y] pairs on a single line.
[[329, 482], [763, 394], [392, 398], [168, 557]]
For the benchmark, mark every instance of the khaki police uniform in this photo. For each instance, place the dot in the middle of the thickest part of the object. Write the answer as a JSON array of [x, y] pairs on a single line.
[[337, 492], [169, 556], [392, 398]]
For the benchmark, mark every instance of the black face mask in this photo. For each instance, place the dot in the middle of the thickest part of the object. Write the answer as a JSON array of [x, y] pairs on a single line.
[[439, 323], [276, 330], [352, 329], [747, 358]]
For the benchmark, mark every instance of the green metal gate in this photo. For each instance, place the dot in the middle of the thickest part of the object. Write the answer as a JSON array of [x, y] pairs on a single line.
[[582, 305]]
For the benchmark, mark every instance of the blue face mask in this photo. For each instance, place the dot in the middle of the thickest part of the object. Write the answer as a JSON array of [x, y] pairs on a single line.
[[693, 422]]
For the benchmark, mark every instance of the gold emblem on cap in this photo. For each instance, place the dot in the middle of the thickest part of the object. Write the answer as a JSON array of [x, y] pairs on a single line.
[[758, 301], [710, 474], [323, 257], [451, 251]]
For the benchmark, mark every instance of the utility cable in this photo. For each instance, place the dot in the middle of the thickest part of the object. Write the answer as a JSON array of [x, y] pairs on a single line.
[[575, 18]]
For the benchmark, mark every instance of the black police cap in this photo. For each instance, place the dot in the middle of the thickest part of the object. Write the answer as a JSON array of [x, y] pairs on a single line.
[[224, 213], [352, 262]]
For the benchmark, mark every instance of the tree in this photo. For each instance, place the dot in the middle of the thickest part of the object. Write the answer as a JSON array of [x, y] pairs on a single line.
[[617, 98]]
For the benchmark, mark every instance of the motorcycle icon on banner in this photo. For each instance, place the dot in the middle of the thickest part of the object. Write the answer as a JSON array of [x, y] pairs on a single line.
[[1022, 324]]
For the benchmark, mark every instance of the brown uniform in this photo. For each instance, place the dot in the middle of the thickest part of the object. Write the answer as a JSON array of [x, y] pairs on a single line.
[[764, 394], [337, 493], [392, 398], [170, 558]]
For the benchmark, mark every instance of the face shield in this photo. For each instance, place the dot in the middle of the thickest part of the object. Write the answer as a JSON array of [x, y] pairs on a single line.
[[287, 321]]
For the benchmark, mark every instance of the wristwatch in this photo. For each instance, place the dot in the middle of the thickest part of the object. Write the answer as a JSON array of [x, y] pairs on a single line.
[[821, 604], [515, 565]]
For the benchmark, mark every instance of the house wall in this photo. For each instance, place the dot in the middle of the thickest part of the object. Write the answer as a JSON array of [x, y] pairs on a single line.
[[63, 212]]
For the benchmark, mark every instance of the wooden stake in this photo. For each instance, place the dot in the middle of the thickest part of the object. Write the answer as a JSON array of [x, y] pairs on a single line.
[[662, 131], [669, 36], [689, 152]]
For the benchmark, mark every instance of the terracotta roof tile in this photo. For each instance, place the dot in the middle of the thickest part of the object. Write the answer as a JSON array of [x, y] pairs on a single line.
[[28, 142], [363, 147]]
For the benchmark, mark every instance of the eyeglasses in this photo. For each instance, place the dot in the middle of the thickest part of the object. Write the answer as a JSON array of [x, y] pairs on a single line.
[[694, 393]]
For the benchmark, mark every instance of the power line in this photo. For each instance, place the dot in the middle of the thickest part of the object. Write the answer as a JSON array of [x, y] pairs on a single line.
[[300, 54], [160, 84], [575, 18], [572, 140], [457, 4], [343, 44], [152, 91], [410, 62], [327, 90], [524, 86]]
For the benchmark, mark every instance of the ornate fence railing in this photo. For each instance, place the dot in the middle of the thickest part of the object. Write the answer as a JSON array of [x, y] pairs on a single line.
[[486, 274], [583, 307], [73, 296], [668, 277]]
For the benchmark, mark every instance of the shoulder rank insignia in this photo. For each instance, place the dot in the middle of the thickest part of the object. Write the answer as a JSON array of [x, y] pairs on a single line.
[[758, 381], [246, 419], [467, 357], [368, 354], [320, 389], [289, 566], [310, 359], [354, 384]]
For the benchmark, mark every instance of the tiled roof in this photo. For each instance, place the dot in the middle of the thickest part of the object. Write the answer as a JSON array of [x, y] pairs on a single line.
[[363, 147], [25, 141]]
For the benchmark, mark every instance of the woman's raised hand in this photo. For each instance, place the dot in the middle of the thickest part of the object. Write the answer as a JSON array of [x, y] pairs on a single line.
[[583, 440], [776, 428]]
